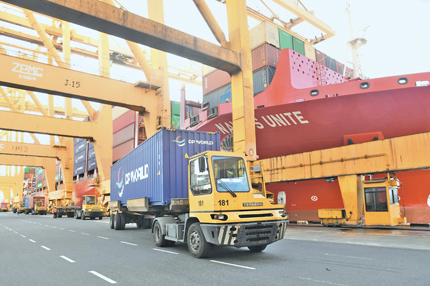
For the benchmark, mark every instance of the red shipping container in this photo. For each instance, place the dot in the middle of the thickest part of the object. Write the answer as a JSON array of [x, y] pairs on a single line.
[[124, 120], [123, 135], [264, 55], [215, 80], [122, 149]]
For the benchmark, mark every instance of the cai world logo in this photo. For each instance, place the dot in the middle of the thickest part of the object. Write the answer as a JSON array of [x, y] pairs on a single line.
[[179, 141]]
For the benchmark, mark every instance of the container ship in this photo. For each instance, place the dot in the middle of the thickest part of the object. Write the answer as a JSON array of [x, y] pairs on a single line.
[[304, 101]]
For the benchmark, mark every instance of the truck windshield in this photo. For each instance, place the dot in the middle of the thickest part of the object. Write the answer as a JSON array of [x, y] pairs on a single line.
[[39, 204], [230, 174], [90, 200]]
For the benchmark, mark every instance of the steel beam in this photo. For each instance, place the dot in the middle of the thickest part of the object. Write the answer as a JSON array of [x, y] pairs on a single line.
[[34, 76], [48, 164], [26, 149], [114, 21]]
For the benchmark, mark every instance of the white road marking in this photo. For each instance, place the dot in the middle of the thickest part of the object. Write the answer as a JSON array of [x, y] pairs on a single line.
[[320, 281], [15, 231], [171, 252], [85, 233], [32, 240], [66, 258], [61, 228], [102, 237], [45, 247], [365, 258], [230, 264], [128, 243], [71, 230], [22, 235], [40, 224], [46, 225], [102, 277], [53, 226]]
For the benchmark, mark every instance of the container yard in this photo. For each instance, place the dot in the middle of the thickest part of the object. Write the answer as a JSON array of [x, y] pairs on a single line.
[[248, 143]]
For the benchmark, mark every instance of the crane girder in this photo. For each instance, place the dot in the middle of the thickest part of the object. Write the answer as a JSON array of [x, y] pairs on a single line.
[[34, 76], [26, 149], [48, 164], [115, 21], [389, 155]]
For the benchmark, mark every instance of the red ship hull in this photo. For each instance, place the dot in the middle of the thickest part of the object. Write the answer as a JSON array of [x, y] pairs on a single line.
[[294, 116]]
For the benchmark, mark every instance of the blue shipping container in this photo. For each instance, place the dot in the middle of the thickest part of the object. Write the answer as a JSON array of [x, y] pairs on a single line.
[[157, 168], [27, 202], [78, 169], [91, 153], [92, 164], [262, 78], [80, 157], [81, 146]]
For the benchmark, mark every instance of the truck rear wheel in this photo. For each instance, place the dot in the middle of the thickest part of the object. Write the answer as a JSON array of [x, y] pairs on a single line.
[[117, 222], [159, 238], [111, 221], [76, 215], [197, 244], [82, 215], [257, 248]]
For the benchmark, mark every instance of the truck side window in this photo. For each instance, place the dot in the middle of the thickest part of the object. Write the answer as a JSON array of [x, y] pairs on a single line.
[[200, 182]]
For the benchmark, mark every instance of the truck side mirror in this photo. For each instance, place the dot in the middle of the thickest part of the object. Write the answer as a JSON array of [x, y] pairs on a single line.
[[202, 164]]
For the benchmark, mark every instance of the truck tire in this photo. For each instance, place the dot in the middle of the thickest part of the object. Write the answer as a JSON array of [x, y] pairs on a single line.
[[76, 215], [111, 221], [92, 218], [123, 221], [159, 238], [257, 248], [100, 217], [82, 215], [197, 244], [117, 222], [32, 212]]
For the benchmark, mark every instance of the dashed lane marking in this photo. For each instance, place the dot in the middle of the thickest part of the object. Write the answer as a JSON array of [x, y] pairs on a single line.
[[85, 233], [32, 240], [22, 235], [102, 237], [71, 230], [45, 247], [66, 258], [61, 228], [102, 277], [235, 265], [356, 257], [128, 243], [171, 252]]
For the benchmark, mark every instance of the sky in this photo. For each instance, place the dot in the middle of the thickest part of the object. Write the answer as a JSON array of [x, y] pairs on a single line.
[[396, 33]]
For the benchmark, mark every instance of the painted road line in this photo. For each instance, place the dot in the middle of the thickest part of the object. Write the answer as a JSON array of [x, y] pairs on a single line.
[[102, 277], [171, 252], [356, 257], [71, 230], [45, 247], [53, 226], [22, 235], [40, 224], [32, 240], [46, 225], [15, 231], [230, 264], [66, 258], [128, 243], [102, 237], [85, 233], [61, 228], [321, 281]]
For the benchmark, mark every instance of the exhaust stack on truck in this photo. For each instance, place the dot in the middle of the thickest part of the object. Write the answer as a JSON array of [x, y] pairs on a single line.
[[179, 184]]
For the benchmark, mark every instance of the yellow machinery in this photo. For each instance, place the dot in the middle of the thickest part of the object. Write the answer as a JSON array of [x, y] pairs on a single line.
[[90, 208]]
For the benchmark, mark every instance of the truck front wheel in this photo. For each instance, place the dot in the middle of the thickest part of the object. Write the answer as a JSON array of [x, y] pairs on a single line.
[[257, 248], [159, 238], [197, 244]]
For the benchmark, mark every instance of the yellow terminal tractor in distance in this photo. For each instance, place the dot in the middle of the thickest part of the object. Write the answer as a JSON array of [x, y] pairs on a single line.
[[89, 208], [199, 200]]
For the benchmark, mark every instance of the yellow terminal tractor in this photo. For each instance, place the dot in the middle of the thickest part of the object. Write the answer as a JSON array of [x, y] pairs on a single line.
[[89, 208], [201, 200]]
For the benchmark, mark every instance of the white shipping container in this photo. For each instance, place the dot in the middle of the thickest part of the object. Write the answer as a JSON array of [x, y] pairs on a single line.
[[264, 33]]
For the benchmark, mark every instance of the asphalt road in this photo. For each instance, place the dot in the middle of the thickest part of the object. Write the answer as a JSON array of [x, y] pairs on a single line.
[[40, 250]]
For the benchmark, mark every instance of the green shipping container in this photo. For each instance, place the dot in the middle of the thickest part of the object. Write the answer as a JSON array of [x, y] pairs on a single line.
[[27, 170], [285, 40], [175, 121], [40, 171], [57, 177], [176, 108], [299, 46], [39, 185]]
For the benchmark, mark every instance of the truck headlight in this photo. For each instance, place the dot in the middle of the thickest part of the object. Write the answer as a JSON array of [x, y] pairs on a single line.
[[219, 216], [283, 213]]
